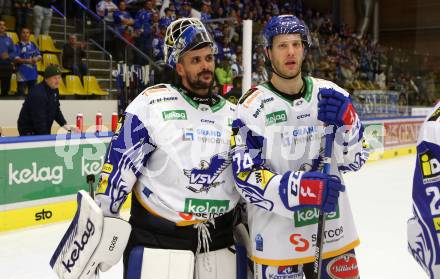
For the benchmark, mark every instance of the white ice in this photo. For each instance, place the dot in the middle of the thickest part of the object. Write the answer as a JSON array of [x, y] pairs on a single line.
[[380, 195]]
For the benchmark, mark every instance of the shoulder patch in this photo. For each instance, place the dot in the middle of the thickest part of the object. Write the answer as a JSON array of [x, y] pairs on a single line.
[[246, 95], [155, 89], [435, 115]]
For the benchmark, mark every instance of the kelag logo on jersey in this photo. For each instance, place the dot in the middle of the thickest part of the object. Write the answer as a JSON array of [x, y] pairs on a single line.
[[204, 178], [276, 117], [174, 115], [309, 216], [199, 206], [430, 167]]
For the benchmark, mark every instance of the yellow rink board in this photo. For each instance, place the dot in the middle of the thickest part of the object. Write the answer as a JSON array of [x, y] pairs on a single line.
[[62, 211], [41, 214]]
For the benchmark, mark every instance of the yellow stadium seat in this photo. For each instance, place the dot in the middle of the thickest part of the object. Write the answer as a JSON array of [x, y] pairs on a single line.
[[92, 87], [50, 58], [74, 86], [62, 89], [32, 39], [13, 36], [40, 66], [13, 88], [46, 44], [39, 78]]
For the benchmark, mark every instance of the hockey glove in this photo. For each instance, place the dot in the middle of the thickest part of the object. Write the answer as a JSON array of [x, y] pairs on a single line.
[[334, 108], [312, 189]]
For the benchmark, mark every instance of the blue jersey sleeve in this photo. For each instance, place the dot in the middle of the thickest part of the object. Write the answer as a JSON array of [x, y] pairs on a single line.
[[424, 226], [127, 154]]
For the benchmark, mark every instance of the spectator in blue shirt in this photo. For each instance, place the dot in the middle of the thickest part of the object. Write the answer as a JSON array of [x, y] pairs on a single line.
[[122, 18], [26, 56], [205, 14], [124, 23], [158, 43], [7, 54]]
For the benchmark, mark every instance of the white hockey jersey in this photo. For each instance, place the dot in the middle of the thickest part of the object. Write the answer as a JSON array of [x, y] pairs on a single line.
[[274, 140], [174, 154]]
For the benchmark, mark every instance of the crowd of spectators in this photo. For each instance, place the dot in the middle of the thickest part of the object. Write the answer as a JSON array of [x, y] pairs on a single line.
[[336, 54]]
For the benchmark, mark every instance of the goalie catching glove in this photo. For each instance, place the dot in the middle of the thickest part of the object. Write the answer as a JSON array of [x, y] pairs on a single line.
[[91, 243]]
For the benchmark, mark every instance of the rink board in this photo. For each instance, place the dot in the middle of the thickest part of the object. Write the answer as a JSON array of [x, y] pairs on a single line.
[[40, 176]]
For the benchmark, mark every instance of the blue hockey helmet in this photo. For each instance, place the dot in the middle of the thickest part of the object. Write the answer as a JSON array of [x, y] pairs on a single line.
[[286, 24], [183, 35]]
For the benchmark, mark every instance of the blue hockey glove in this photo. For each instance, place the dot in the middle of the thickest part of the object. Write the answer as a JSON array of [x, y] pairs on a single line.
[[334, 108], [316, 189]]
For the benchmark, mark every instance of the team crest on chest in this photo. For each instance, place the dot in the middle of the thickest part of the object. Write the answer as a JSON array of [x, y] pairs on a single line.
[[205, 177]]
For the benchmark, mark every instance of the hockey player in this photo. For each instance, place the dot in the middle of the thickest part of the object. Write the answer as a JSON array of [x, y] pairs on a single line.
[[424, 227], [277, 145], [172, 153]]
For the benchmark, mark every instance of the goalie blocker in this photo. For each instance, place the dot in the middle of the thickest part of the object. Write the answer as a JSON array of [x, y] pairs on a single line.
[[91, 243]]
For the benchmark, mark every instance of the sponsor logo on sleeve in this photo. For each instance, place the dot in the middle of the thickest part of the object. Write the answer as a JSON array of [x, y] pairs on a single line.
[[174, 115], [276, 117], [259, 243], [430, 167], [107, 168], [435, 116], [436, 221], [343, 267]]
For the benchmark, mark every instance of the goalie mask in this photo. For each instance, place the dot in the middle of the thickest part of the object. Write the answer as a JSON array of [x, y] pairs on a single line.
[[183, 35]]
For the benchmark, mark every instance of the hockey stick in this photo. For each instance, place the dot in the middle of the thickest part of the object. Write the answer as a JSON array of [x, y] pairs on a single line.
[[91, 181], [329, 139]]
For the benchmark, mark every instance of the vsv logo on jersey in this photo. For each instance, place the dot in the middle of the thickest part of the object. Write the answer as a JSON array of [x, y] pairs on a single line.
[[309, 216], [174, 115], [299, 243], [204, 178], [430, 167], [276, 117], [206, 206]]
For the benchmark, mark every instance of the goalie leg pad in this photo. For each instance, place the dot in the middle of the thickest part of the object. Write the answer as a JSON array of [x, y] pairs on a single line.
[[149, 263], [220, 264], [80, 240], [91, 241]]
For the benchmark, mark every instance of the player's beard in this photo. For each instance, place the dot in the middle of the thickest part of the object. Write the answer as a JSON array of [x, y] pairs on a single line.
[[197, 82]]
